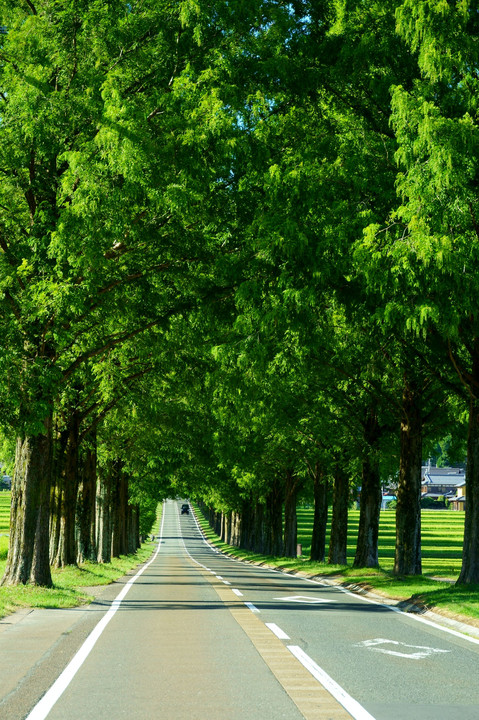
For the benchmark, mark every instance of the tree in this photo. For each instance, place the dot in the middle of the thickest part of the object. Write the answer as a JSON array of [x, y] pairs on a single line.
[[106, 188]]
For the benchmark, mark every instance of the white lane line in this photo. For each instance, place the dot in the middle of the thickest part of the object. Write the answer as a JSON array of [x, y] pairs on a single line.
[[277, 631], [237, 592], [411, 616], [42, 708], [219, 577], [252, 607], [226, 582], [350, 704]]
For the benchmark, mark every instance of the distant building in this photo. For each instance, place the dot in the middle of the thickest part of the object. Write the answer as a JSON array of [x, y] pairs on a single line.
[[442, 482], [459, 501], [5, 482]]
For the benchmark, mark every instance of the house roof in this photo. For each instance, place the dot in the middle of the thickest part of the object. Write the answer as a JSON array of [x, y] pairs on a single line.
[[431, 471], [452, 479]]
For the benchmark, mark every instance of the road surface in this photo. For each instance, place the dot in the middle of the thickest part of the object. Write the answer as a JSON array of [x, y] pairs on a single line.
[[201, 636]]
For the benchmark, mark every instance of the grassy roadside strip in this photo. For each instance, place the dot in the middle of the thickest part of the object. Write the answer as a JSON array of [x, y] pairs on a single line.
[[72, 585], [458, 602]]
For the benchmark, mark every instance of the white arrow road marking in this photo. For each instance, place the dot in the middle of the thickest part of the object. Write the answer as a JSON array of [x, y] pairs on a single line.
[[422, 651], [303, 599]]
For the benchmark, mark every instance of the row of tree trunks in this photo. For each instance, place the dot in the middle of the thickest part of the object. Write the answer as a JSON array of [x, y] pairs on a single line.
[[63, 546], [370, 502]]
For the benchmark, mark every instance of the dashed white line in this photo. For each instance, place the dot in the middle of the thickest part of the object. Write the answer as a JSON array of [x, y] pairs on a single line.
[[226, 582], [252, 607], [237, 592], [277, 631], [350, 704]]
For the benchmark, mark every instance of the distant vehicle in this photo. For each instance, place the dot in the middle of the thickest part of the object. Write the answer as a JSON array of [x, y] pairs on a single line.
[[185, 509]]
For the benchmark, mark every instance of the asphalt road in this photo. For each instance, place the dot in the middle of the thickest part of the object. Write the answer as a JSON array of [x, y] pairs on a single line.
[[200, 636]]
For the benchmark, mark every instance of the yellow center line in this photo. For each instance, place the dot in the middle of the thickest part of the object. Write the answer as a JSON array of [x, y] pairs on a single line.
[[311, 699]]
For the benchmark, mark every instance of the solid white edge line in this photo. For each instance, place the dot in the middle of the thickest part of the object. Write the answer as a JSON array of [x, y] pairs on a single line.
[[252, 607], [412, 616], [277, 631], [350, 704], [43, 707]]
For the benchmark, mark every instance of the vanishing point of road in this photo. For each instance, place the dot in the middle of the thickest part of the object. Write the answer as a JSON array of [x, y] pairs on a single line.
[[200, 636]]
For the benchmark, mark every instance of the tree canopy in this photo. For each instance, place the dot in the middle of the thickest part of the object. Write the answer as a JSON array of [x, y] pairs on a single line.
[[237, 259]]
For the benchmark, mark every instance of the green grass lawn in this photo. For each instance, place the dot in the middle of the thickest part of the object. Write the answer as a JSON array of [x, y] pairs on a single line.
[[442, 533], [4, 511], [70, 582]]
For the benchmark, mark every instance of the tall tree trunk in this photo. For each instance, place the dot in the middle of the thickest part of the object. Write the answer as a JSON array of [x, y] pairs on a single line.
[[274, 520], [103, 516], [28, 554], [119, 512], [66, 551], [246, 527], [408, 511], [59, 447], [135, 529], [470, 557], [290, 538], [370, 507], [218, 522], [258, 543], [85, 515], [338, 543], [320, 521], [236, 529]]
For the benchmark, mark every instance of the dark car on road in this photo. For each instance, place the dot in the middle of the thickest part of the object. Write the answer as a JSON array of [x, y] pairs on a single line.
[[185, 509]]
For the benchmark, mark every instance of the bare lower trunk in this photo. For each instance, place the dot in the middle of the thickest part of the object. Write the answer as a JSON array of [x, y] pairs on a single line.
[[370, 504], [66, 550], [103, 517], [133, 528], [290, 540], [259, 528], [470, 559], [85, 516], [408, 511], [318, 538], [338, 544], [274, 520], [28, 555], [119, 512], [236, 520]]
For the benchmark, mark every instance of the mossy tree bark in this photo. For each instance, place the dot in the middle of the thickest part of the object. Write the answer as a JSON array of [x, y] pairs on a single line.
[[28, 555]]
